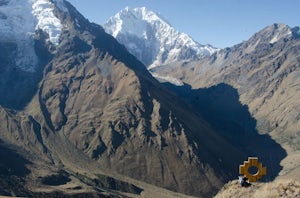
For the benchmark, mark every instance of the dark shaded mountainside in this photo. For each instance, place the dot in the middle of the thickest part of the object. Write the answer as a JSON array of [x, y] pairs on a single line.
[[262, 74], [92, 121]]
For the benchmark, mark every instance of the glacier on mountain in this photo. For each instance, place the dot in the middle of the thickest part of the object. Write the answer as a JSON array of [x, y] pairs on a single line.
[[152, 39], [19, 19], [46, 19]]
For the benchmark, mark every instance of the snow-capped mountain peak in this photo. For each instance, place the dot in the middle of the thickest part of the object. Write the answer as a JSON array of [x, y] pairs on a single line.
[[46, 19], [152, 39], [20, 19], [132, 21]]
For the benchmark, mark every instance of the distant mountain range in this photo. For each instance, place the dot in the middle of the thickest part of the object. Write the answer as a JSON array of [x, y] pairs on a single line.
[[149, 37], [81, 115], [265, 72]]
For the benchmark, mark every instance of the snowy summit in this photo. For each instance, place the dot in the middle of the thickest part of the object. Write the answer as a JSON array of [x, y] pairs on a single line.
[[152, 39], [20, 19]]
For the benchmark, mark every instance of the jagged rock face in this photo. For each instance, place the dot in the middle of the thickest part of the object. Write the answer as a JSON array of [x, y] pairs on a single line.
[[152, 39], [96, 101], [264, 70]]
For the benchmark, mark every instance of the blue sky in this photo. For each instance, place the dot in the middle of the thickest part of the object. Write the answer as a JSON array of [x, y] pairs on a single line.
[[221, 23]]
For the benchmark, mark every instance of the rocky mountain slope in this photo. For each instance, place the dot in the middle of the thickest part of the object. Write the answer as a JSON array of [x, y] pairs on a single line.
[[87, 118], [265, 73], [149, 37]]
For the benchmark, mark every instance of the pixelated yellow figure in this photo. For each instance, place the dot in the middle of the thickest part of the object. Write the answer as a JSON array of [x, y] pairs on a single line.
[[253, 161]]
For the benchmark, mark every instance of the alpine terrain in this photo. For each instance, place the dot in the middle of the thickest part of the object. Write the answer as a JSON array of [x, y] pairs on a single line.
[[81, 116], [149, 37], [264, 73]]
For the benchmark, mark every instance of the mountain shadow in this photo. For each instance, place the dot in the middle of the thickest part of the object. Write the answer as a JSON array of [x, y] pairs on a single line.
[[12, 172], [220, 106], [18, 86]]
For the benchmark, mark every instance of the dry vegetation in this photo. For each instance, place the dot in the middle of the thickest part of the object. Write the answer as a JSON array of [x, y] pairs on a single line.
[[278, 188]]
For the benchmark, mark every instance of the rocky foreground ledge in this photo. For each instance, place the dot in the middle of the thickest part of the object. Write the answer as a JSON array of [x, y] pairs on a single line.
[[278, 188]]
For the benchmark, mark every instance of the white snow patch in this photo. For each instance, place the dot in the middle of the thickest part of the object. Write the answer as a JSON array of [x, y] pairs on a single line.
[[18, 22], [275, 39], [124, 23], [282, 32], [47, 21], [169, 79], [18, 26]]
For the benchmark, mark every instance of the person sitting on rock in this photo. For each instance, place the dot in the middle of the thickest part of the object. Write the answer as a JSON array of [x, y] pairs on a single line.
[[244, 182], [240, 180]]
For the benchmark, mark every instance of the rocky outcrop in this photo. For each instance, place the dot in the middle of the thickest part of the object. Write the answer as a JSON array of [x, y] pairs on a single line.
[[278, 188]]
